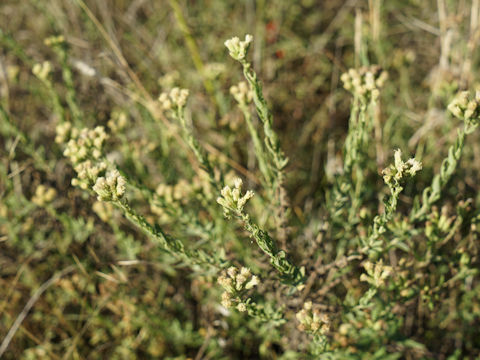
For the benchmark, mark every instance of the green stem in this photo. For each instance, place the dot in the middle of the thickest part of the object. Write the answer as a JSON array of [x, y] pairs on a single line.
[[372, 244], [347, 190], [57, 103], [271, 139], [257, 144], [70, 95], [198, 151], [289, 272], [433, 193], [170, 244], [272, 144]]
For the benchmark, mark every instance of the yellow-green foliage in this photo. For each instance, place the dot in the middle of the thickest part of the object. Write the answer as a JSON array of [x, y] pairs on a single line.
[[239, 179]]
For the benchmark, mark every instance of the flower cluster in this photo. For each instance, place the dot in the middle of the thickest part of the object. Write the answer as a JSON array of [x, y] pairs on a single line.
[[42, 70], [400, 169], [232, 199], [174, 100], [466, 107], [236, 283], [169, 79], [365, 82], [214, 70], [179, 194], [44, 195], [64, 132], [111, 187], [242, 93], [54, 40], [118, 121], [238, 49], [376, 274], [83, 144], [312, 320], [88, 172], [84, 148], [174, 195]]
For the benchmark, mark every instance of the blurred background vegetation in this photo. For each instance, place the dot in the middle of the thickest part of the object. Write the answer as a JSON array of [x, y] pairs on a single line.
[[101, 288]]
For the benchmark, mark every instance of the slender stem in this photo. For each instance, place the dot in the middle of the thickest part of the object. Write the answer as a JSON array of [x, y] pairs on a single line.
[[170, 244], [290, 273], [257, 144], [70, 95], [198, 151], [433, 193], [372, 244]]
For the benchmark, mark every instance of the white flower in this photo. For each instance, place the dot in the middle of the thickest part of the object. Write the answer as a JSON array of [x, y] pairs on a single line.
[[234, 281], [44, 195], [83, 144], [175, 99], [413, 166], [242, 93], [238, 49], [226, 300], [365, 81], [110, 188], [54, 40], [232, 271], [401, 169], [232, 199], [43, 70], [241, 307], [312, 320], [84, 68], [254, 281], [179, 96], [466, 106], [63, 132]]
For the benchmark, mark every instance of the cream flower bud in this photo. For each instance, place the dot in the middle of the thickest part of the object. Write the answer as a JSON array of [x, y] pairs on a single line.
[[241, 307], [44, 195], [413, 166], [242, 93], [400, 169], [175, 99], [365, 81], [102, 189], [226, 283], [238, 183], [254, 281], [231, 199], [54, 40], [240, 281], [232, 271], [63, 131], [111, 187], [43, 70], [226, 300], [238, 49], [165, 101], [312, 321], [466, 106]]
